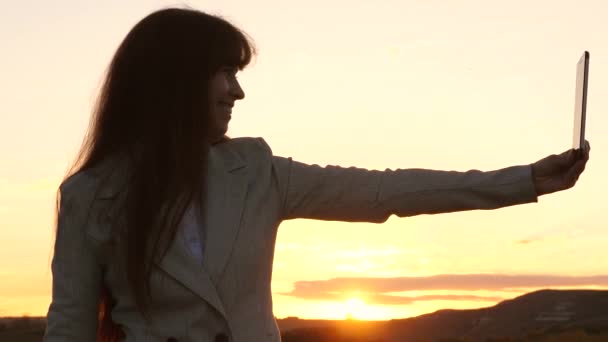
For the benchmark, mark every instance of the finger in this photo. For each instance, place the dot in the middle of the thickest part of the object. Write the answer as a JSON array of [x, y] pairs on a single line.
[[587, 149], [583, 153], [571, 177]]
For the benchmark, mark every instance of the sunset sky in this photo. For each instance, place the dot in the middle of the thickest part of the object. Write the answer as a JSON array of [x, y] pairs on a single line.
[[451, 85]]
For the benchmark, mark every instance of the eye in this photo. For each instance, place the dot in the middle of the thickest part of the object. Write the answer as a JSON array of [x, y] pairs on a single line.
[[231, 71]]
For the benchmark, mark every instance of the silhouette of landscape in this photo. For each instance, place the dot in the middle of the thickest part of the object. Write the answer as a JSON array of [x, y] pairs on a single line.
[[545, 315]]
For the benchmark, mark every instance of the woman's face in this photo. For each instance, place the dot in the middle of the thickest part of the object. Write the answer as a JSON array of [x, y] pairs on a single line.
[[224, 91]]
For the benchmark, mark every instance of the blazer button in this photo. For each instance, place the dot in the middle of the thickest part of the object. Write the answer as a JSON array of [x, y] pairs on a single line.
[[221, 337], [172, 339]]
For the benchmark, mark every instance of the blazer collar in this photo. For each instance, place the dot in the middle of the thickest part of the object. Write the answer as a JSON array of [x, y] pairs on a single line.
[[112, 171]]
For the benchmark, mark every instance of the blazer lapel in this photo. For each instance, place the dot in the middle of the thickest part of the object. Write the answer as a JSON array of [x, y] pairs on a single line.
[[185, 269], [227, 189], [225, 199]]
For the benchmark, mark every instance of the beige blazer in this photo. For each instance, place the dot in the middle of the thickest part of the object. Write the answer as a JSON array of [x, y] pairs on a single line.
[[227, 296]]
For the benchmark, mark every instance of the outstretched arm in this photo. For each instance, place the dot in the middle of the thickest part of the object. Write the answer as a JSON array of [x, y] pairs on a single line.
[[360, 195]]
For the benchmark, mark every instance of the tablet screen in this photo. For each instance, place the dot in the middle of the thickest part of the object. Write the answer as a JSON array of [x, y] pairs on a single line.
[[580, 102]]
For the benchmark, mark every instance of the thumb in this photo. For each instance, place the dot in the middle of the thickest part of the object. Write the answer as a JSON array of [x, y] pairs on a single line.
[[555, 163], [566, 159]]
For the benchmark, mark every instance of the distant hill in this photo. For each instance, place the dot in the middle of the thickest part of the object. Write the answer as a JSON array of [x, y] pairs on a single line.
[[538, 313], [22, 329], [533, 316], [546, 315]]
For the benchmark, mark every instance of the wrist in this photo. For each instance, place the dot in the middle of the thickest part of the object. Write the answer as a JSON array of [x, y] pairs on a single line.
[[535, 180]]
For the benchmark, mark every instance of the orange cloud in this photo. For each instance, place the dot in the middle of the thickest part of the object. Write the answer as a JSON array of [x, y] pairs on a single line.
[[384, 299], [375, 289]]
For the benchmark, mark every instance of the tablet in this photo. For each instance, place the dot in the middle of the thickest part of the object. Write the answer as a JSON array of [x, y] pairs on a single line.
[[580, 101]]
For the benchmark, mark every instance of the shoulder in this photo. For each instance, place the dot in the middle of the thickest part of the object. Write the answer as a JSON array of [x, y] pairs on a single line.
[[76, 198], [248, 144], [79, 185], [101, 181], [249, 149]]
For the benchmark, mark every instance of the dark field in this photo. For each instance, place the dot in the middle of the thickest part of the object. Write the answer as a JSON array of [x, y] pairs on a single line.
[[547, 315]]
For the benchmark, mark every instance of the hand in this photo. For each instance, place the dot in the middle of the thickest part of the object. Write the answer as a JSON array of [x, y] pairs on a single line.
[[559, 172]]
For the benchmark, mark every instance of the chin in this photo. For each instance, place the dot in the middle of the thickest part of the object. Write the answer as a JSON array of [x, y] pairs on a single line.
[[219, 138]]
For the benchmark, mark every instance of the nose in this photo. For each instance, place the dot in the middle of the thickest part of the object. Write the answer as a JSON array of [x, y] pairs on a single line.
[[236, 91]]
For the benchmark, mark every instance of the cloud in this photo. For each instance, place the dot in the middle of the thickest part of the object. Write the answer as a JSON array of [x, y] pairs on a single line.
[[384, 299], [565, 232], [375, 289], [528, 240], [396, 300]]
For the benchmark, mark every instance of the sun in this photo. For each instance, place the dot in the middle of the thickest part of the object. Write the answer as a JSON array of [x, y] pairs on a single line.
[[355, 308]]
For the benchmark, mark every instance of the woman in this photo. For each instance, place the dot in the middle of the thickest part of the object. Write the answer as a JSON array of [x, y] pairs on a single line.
[[166, 228]]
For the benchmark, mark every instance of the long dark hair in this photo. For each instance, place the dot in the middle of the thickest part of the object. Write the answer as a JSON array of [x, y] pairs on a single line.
[[153, 106]]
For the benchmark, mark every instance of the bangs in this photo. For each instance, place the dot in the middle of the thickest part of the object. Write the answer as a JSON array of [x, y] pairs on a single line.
[[234, 48]]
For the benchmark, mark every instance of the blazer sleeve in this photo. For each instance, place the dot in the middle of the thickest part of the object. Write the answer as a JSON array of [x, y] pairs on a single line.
[[77, 276], [360, 195]]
